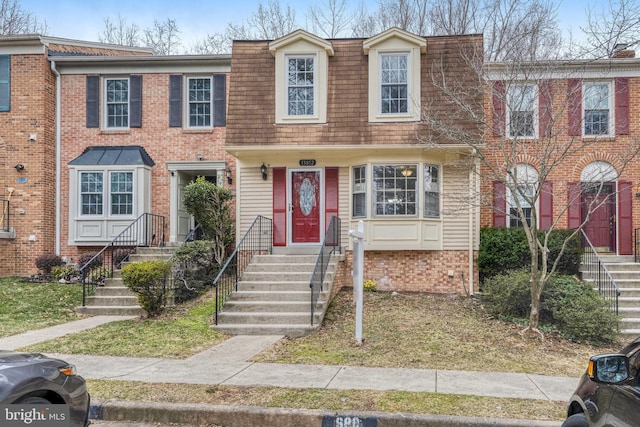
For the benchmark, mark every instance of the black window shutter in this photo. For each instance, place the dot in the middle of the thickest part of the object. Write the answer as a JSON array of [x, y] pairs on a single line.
[[219, 99], [135, 102], [93, 101], [175, 101]]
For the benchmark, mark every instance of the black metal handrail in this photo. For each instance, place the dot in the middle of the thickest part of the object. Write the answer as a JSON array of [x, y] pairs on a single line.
[[257, 240], [330, 244], [146, 230], [594, 266]]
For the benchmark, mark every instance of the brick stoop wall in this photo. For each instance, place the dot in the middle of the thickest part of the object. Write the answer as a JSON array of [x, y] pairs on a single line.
[[411, 271]]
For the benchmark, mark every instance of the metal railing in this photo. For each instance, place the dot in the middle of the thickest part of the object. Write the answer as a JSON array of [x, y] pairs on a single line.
[[257, 240], [5, 222], [594, 266], [330, 244], [146, 230], [636, 245]]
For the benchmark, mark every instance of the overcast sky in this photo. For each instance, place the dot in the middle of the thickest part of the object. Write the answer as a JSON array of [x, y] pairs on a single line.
[[84, 19]]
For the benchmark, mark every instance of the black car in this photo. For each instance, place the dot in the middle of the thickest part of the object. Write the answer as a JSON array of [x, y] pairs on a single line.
[[35, 379], [609, 392]]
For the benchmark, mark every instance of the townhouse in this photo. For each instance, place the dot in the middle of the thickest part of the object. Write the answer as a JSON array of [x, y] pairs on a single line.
[[577, 125], [29, 165], [324, 128]]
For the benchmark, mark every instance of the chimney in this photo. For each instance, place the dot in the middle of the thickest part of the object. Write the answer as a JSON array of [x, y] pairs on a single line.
[[621, 50]]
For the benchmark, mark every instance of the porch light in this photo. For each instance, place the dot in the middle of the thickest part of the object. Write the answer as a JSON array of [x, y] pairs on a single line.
[[263, 170], [227, 172]]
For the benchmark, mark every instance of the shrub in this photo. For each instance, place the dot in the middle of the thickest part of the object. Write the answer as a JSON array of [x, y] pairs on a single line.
[[568, 305], [193, 269], [148, 280], [369, 286], [48, 261], [65, 272], [85, 258], [504, 249]]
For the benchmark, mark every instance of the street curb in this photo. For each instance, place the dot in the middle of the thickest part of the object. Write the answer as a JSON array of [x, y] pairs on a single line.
[[249, 416]]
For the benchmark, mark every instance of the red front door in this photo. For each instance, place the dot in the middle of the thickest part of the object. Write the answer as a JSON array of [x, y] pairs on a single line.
[[600, 227], [305, 207]]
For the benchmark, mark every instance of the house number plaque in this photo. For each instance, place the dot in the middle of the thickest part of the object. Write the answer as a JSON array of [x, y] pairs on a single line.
[[307, 162]]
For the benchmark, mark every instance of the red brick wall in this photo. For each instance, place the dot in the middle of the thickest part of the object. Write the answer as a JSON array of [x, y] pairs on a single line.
[[32, 202]]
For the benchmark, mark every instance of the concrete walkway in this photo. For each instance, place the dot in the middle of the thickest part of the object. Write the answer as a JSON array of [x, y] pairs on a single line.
[[228, 364]]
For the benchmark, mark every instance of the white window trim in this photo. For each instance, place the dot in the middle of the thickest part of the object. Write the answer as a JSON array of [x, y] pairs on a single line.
[[80, 193], [106, 192], [187, 103], [104, 103], [419, 188], [527, 175], [536, 102], [611, 106], [110, 193], [424, 190]]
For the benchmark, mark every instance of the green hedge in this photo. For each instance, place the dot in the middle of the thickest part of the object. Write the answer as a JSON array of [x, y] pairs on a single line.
[[568, 305], [505, 249]]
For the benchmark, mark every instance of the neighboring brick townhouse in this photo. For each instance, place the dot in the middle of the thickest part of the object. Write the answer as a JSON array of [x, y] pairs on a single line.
[[133, 132], [589, 110], [324, 127], [28, 144]]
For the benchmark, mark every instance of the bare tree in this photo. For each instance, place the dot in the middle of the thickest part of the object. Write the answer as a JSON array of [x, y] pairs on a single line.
[[455, 16], [616, 23], [212, 44], [120, 32], [267, 22], [163, 37], [15, 20], [331, 18], [525, 139]]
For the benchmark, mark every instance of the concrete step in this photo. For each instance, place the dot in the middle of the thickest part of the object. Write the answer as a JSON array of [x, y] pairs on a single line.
[[281, 267], [280, 276], [258, 317], [113, 291], [156, 250], [630, 292], [239, 306], [273, 296], [111, 310], [289, 330], [108, 301], [147, 257], [273, 286], [285, 259]]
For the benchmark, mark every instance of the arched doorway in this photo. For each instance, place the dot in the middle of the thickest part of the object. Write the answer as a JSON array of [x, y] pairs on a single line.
[[598, 205]]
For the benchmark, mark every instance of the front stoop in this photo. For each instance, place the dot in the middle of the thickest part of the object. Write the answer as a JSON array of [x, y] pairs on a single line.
[[114, 298], [626, 273], [274, 297]]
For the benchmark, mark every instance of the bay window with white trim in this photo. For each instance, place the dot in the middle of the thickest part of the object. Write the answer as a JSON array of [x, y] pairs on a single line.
[[119, 195]]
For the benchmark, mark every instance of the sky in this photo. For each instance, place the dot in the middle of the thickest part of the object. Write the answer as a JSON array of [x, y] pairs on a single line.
[[84, 19]]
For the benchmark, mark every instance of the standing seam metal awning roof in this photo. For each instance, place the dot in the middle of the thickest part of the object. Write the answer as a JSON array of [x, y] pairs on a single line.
[[114, 155]]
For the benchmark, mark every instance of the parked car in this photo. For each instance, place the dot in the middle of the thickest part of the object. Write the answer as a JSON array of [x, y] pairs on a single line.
[[35, 379], [609, 392]]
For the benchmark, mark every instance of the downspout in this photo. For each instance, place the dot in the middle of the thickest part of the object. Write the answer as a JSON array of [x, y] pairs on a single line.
[[473, 192], [58, 143]]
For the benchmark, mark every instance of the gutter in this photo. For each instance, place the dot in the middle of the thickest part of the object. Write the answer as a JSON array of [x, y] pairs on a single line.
[[58, 158]]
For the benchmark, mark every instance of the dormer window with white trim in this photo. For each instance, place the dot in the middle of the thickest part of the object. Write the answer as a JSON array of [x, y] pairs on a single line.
[[301, 78], [394, 76]]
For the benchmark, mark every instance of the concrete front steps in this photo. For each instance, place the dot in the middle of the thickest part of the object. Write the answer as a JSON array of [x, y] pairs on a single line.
[[626, 273], [114, 298], [274, 297]]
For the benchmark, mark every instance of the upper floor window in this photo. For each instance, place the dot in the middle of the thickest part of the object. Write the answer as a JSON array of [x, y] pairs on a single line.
[[300, 85], [522, 111], [394, 190], [394, 83], [5, 82], [199, 101], [597, 102], [117, 103]]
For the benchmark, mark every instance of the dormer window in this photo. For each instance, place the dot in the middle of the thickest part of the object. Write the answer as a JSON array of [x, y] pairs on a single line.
[[394, 76], [301, 78]]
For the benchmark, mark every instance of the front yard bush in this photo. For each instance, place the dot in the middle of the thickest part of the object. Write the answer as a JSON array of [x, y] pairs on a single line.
[[148, 279], [504, 249], [568, 305], [193, 269], [47, 261]]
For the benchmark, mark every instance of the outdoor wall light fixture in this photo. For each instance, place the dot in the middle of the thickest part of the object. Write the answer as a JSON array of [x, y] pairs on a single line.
[[227, 172], [19, 167], [263, 170]]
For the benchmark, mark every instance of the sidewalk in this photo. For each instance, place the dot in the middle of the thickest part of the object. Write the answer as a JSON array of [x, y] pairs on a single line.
[[227, 364]]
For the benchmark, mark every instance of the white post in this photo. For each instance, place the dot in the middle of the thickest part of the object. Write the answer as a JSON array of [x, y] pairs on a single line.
[[358, 275]]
